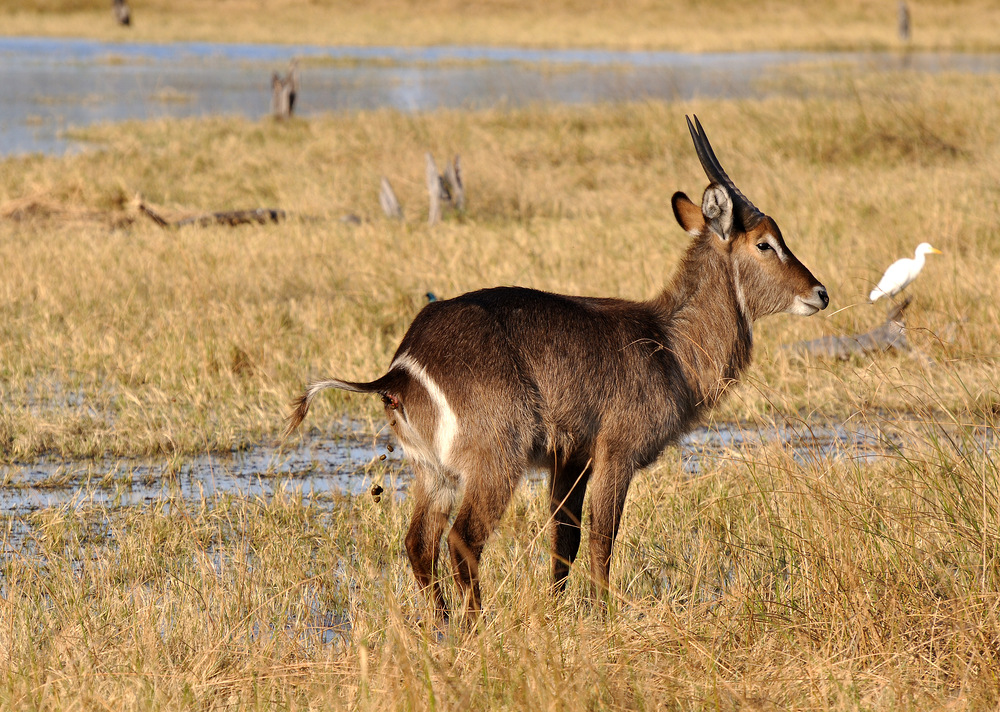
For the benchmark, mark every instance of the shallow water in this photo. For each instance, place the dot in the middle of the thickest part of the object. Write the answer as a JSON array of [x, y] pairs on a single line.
[[49, 85], [321, 470], [807, 444], [318, 470]]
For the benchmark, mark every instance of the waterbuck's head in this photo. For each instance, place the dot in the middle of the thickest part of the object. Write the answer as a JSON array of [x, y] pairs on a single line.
[[767, 277]]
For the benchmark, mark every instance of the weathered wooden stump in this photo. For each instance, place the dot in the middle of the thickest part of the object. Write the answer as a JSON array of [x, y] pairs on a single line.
[[387, 199], [444, 190], [904, 21], [284, 90], [121, 12]]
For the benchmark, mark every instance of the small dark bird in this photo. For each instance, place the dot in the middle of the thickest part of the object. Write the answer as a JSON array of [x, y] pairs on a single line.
[[119, 8], [431, 297]]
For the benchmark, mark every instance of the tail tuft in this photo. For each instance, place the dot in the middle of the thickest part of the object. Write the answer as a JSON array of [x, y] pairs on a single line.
[[300, 406]]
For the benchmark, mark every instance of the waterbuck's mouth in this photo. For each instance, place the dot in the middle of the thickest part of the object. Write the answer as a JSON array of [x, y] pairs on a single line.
[[819, 299], [803, 308]]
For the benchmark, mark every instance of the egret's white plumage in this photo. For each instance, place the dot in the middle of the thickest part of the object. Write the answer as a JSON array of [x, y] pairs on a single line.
[[902, 272]]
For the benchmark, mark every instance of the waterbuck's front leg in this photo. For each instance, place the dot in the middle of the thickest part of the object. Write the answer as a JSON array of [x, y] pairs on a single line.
[[608, 488], [566, 491]]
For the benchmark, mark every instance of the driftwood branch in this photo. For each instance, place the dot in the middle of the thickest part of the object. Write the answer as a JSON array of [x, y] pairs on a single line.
[[258, 216], [152, 214], [888, 337]]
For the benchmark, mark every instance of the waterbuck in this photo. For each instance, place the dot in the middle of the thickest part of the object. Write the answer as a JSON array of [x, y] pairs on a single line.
[[490, 383]]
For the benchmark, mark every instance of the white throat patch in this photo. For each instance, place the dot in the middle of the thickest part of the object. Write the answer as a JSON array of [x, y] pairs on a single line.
[[740, 297]]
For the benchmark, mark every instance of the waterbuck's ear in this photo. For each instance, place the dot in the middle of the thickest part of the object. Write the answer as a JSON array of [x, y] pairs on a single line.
[[717, 207], [688, 214]]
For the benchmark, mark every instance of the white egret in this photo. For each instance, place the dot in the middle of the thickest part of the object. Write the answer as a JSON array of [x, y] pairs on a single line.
[[901, 273]]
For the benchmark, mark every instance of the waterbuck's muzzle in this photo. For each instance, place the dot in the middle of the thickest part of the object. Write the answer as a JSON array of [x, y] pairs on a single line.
[[814, 302]]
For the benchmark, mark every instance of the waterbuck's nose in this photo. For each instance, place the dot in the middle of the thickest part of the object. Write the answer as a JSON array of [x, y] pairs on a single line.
[[822, 295]]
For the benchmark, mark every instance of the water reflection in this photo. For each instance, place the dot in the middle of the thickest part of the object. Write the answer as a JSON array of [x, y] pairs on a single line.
[[47, 86]]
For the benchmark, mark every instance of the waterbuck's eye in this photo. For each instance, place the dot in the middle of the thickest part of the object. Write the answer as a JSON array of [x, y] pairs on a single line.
[[763, 246]]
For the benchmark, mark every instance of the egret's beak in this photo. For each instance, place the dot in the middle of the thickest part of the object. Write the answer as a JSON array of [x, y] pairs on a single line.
[[936, 251]]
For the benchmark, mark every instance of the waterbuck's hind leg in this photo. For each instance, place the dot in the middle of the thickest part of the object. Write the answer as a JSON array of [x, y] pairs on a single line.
[[566, 491], [423, 540], [487, 495]]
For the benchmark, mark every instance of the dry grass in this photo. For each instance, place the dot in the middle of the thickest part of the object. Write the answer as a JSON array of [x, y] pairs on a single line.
[[721, 25], [122, 338], [763, 583], [760, 584]]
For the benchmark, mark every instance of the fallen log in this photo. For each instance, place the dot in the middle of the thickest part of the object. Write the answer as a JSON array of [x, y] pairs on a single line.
[[258, 216], [890, 336]]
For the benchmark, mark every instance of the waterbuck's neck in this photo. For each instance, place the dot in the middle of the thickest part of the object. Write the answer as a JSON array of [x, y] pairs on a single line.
[[705, 321]]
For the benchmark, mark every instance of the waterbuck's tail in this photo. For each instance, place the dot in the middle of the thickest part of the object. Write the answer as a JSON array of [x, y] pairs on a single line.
[[300, 406]]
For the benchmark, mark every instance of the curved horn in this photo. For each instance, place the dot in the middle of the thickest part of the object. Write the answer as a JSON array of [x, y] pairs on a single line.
[[748, 212]]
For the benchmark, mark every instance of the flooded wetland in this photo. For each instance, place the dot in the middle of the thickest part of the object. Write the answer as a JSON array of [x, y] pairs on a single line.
[[48, 88], [828, 538]]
